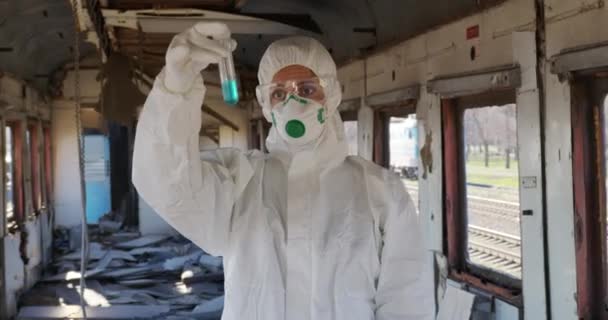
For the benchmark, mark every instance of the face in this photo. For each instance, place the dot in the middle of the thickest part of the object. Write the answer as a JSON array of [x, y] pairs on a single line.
[[298, 80]]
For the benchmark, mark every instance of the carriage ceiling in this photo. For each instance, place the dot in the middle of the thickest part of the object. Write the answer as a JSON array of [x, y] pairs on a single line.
[[36, 36]]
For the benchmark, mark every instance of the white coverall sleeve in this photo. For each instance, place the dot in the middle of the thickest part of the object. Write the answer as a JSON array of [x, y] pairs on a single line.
[[196, 197], [405, 285]]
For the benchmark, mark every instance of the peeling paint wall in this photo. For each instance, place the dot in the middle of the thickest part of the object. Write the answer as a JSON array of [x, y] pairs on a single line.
[[444, 51], [19, 101], [66, 184], [14, 272], [569, 24], [19, 276]]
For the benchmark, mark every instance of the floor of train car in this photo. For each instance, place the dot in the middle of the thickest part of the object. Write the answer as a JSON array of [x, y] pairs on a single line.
[[128, 275]]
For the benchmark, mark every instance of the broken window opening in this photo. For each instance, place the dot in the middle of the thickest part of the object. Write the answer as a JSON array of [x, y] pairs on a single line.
[[351, 133], [492, 189], [482, 224], [14, 179], [9, 178], [403, 151]]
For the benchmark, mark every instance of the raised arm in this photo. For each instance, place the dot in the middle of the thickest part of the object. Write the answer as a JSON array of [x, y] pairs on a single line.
[[193, 195]]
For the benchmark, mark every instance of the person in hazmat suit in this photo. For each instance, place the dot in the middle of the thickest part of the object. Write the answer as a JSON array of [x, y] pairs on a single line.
[[306, 232]]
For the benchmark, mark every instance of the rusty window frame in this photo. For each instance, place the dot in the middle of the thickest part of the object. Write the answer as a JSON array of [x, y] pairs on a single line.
[[381, 133], [48, 165], [17, 141], [455, 227], [33, 127], [589, 178]]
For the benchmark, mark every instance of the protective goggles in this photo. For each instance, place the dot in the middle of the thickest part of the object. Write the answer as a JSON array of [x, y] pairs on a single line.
[[276, 93]]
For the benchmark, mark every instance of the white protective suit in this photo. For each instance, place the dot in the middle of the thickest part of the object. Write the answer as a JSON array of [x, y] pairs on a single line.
[[310, 234]]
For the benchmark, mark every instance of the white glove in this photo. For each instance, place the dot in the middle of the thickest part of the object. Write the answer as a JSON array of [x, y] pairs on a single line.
[[192, 51]]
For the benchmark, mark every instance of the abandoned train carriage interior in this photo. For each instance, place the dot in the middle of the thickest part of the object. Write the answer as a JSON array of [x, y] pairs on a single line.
[[493, 114]]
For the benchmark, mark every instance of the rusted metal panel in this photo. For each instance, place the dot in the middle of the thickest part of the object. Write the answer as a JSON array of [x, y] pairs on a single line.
[[509, 296], [380, 155], [35, 150], [587, 230], [454, 218]]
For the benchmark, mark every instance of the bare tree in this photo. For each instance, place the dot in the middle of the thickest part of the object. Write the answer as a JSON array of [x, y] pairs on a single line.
[[510, 132], [482, 134]]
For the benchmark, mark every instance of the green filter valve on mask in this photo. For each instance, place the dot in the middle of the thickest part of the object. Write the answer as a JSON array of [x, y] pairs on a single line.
[[295, 128]]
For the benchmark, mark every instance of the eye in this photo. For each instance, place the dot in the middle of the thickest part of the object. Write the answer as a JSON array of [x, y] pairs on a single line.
[[307, 90], [278, 94]]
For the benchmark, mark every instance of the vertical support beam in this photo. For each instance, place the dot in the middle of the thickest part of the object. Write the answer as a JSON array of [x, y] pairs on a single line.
[[27, 169], [559, 200], [260, 134], [18, 170], [454, 219], [3, 232], [20, 182], [365, 132], [35, 148], [430, 169], [587, 232], [531, 198], [381, 138], [430, 180], [3, 180], [365, 123], [48, 167]]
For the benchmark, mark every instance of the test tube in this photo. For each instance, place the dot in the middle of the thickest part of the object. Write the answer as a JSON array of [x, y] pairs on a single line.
[[230, 90]]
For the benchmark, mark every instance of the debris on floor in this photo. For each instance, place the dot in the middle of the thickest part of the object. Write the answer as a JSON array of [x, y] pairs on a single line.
[[128, 277]]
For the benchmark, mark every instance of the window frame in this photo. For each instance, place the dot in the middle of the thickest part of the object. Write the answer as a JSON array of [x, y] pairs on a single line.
[[589, 176], [455, 211], [351, 116], [260, 129], [47, 194], [17, 145], [381, 133], [33, 126]]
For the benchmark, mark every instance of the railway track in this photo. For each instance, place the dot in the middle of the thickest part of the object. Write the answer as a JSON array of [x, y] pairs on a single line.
[[495, 250], [505, 210], [486, 247]]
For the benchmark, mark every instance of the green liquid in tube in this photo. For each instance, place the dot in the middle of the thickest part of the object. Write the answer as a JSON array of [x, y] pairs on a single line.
[[230, 91], [228, 79]]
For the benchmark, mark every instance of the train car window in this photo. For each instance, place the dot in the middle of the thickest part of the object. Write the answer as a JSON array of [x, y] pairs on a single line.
[[350, 130], [492, 188], [28, 146], [9, 176], [403, 151]]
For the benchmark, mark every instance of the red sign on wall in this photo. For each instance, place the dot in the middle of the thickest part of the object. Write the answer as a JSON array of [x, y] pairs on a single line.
[[473, 32]]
